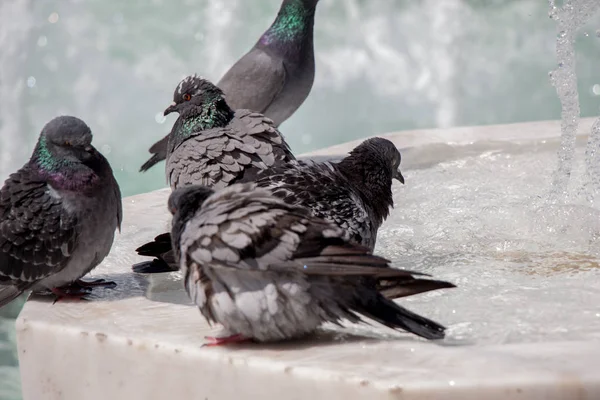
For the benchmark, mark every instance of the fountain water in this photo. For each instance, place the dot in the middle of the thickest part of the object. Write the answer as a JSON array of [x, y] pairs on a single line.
[[569, 17], [490, 230], [592, 158], [16, 22]]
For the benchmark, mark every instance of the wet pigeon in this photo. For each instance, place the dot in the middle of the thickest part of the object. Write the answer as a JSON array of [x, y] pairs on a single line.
[[275, 76], [267, 270], [355, 193], [58, 215], [213, 146]]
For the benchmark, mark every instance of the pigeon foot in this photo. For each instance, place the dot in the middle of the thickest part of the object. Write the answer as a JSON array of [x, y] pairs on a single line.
[[70, 293], [219, 341]]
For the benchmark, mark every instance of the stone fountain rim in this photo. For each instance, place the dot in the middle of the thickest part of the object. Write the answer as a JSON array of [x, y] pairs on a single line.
[[514, 132]]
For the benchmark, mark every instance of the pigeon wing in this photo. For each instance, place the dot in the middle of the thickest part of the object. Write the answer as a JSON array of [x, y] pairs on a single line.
[[324, 192], [216, 158], [259, 132], [37, 234]]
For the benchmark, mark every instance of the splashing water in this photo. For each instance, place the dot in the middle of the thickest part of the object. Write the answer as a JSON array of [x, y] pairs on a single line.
[[591, 185], [16, 22], [525, 272], [446, 18], [569, 19]]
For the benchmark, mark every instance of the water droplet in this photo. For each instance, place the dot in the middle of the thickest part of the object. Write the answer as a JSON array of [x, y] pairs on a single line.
[[412, 350], [562, 34], [53, 18], [596, 90], [586, 34], [453, 311], [160, 118], [106, 149], [199, 36], [42, 41], [31, 81], [451, 383], [597, 314], [306, 139]]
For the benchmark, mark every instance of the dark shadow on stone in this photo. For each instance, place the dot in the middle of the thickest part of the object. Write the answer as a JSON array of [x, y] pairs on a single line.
[[128, 285]]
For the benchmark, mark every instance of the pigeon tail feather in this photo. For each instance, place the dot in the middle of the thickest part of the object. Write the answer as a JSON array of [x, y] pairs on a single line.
[[392, 315], [156, 158], [156, 248], [395, 290]]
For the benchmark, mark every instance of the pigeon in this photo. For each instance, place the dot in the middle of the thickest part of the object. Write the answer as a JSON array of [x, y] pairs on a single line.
[[269, 271], [212, 145], [275, 76], [58, 215], [355, 194]]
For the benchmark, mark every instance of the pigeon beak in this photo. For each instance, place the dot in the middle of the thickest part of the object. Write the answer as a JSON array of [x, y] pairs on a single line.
[[399, 177], [170, 109], [88, 148]]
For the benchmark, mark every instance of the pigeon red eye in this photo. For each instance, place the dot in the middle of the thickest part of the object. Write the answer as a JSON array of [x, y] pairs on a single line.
[[187, 97]]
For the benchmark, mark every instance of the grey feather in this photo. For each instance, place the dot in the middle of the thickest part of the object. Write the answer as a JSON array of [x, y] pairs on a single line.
[[270, 271]]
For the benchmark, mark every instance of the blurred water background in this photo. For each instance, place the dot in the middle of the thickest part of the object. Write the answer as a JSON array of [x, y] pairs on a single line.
[[382, 65]]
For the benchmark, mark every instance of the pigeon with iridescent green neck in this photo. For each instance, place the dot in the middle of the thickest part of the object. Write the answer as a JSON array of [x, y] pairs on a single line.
[[214, 146], [275, 76], [58, 215]]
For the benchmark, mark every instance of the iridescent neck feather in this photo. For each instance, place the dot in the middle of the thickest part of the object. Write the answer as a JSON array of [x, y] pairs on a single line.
[[293, 22], [61, 173], [45, 159], [209, 115]]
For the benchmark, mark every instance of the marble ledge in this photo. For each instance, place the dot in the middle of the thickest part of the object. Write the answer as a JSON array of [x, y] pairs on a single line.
[[143, 340]]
